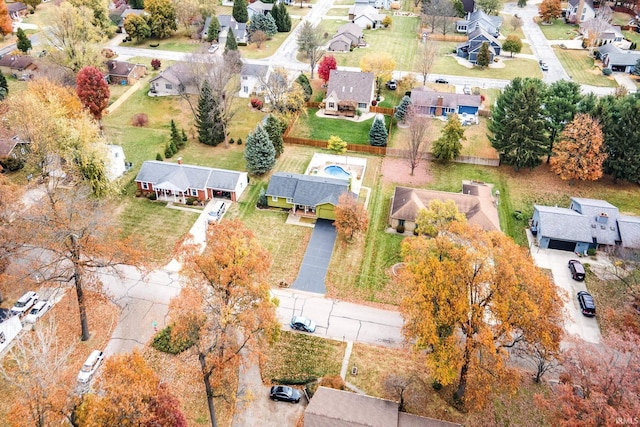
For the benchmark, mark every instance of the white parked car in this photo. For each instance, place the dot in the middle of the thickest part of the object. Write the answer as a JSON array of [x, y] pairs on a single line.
[[213, 48], [37, 311], [90, 366], [25, 302]]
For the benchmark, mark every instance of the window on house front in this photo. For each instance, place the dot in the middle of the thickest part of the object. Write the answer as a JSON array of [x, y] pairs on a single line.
[[168, 86], [401, 222], [332, 105], [290, 201], [274, 198], [362, 105], [246, 89], [194, 192], [245, 78], [145, 185]]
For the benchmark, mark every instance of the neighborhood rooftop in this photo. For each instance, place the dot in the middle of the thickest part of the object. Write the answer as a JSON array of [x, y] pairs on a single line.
[[308, 190]]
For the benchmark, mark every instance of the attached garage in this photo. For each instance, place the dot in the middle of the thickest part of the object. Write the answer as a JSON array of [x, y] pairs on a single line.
[[562, 245]]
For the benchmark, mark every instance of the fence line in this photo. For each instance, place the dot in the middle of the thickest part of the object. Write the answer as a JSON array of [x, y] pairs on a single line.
[[402, 153]]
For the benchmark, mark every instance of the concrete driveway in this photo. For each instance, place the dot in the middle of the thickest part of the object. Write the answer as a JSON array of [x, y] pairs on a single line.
[[557, 261], [315, 263]]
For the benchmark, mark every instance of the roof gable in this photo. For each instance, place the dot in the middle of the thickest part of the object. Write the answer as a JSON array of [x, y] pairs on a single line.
[[426, 97], [16, 61], [562, 223], [307, 190], [180, 177], [351, 85]]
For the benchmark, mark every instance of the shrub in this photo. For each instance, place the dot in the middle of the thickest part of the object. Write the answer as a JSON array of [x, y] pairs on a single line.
[[159, 157], [262, 199], [606, 71], [152, 196], [12, 164], [163, 342], [156, 64], [436, 385], [168, 151], [239, 141], [256, 103], [333, 381], [140, 120], [591, 251], [192, 200], [154, 44], [374, 102], [400, 228], [231, 141], [482, 98]]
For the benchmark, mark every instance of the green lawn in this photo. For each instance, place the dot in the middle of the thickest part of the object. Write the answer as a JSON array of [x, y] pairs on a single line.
[[400, 40], [176, 43], [269, 47], [632, 36], [559, 30], [620, 18], [516, 67], [300, 358], [580, 66], [338, 11], [344, 2], [312, 126]]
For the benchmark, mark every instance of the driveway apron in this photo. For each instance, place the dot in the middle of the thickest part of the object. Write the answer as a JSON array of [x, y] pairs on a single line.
[[316, 259]]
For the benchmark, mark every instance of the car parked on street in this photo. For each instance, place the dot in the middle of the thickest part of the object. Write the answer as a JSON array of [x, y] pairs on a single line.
[[37, 311], [26, 301], [303, 324], [543, 66], [577, 270], [442, 81], [392, 85], [213, 48], [587, 305], [284, 393], [90, 366]]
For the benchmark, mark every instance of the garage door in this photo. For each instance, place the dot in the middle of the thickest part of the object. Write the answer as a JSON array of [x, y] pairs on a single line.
[[562, 245]]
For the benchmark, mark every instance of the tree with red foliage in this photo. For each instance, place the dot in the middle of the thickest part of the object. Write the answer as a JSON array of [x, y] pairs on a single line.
[[156, 64], [93, 91], [327, 64]]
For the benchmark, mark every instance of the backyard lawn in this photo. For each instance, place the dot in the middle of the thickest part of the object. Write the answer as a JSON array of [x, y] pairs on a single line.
[[516, 67], [313, 126], [580, 66], [400, 40], [559, 30]]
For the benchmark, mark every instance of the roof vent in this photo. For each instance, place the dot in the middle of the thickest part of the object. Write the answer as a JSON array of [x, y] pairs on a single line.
[[593, 226]]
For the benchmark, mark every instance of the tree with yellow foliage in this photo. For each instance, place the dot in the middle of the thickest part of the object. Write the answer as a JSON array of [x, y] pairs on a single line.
[[381, 64]]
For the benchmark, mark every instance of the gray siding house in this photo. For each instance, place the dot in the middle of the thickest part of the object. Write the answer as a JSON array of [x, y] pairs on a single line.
[[349, 91]]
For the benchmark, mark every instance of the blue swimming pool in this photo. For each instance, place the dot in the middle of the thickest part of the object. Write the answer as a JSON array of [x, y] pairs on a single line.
[[337, 172]]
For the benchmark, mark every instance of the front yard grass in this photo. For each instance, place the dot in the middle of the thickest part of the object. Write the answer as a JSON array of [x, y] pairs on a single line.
[[516, 67], [312, 126], [399, 40], [301, 358], [559, 30], [581, 67], [269, 47]]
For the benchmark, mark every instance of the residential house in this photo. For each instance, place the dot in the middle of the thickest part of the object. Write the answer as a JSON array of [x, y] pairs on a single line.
[[10, 327], [618, 59], [19, 66], [177, 182], [480, 28], [258, 8], [348, 35], [129, 11], [124, 73], [17, 10], [431, 103], [115, 162], [252, 78], [378, 4], [366, 16], [586, 223], [579, 11], [611, 34], [479, 19], [349, 91], [475, 201], [175, 80], [339, 408], [12, 149], [306, 194], [239, 30]]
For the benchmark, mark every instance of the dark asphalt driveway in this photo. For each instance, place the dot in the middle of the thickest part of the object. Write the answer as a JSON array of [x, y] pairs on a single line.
[[316, 259]]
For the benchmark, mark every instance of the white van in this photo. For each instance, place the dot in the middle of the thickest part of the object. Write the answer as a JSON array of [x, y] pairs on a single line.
[[216, 213]]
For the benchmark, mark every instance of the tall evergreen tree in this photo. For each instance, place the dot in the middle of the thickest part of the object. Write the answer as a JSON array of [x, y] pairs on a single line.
[[208, 117], [281, 16], [518, 124], [231, 43], [402, 109], [24, 44], [214, 29], [259, 152], [560, 105], [621, 127], [378, 132], [175, 136], [275, 129], [484, 55], [276, 15], [4, 87], [448, 146], [263, 23], [239, 12], [303, 80]]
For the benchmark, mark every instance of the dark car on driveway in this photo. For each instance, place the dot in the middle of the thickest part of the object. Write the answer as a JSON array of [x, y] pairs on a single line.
[[302, 324], [577, 270], [587, 305], [284, 393], [443, 81], [392, 85]]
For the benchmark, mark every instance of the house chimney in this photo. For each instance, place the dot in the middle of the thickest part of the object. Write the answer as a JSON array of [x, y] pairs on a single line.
[[439, 102], [179, 160]]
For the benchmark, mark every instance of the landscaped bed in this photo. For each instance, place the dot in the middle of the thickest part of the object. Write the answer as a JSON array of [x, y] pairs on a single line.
[[317, 126]]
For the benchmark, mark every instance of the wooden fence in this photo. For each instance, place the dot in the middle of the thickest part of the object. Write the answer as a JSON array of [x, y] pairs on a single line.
[[402, 153], [381, 151], [382, 110]]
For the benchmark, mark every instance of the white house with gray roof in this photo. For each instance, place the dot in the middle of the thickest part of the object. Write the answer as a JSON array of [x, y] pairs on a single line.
[[618, 59], [175, 80], [177, 182], [587, 223], [252, 78], [306, 194], [349, 91]]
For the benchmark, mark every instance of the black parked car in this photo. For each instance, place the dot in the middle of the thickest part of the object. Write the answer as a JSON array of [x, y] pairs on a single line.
[[577, 270], [443, 81], [284, 393], [587, 305]]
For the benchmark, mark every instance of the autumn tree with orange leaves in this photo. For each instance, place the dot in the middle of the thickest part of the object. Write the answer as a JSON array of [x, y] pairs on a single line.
[[129, 394], [470, 296], [227, 307], [6, 24], [550, 10], [351, 217], [579, 153]]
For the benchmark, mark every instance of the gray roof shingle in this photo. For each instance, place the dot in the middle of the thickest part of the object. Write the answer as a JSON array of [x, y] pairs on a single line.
[[563, 224], [602, 217], [629, 227], [177, 177], [351, 85], [427, 97], [307, 190]]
